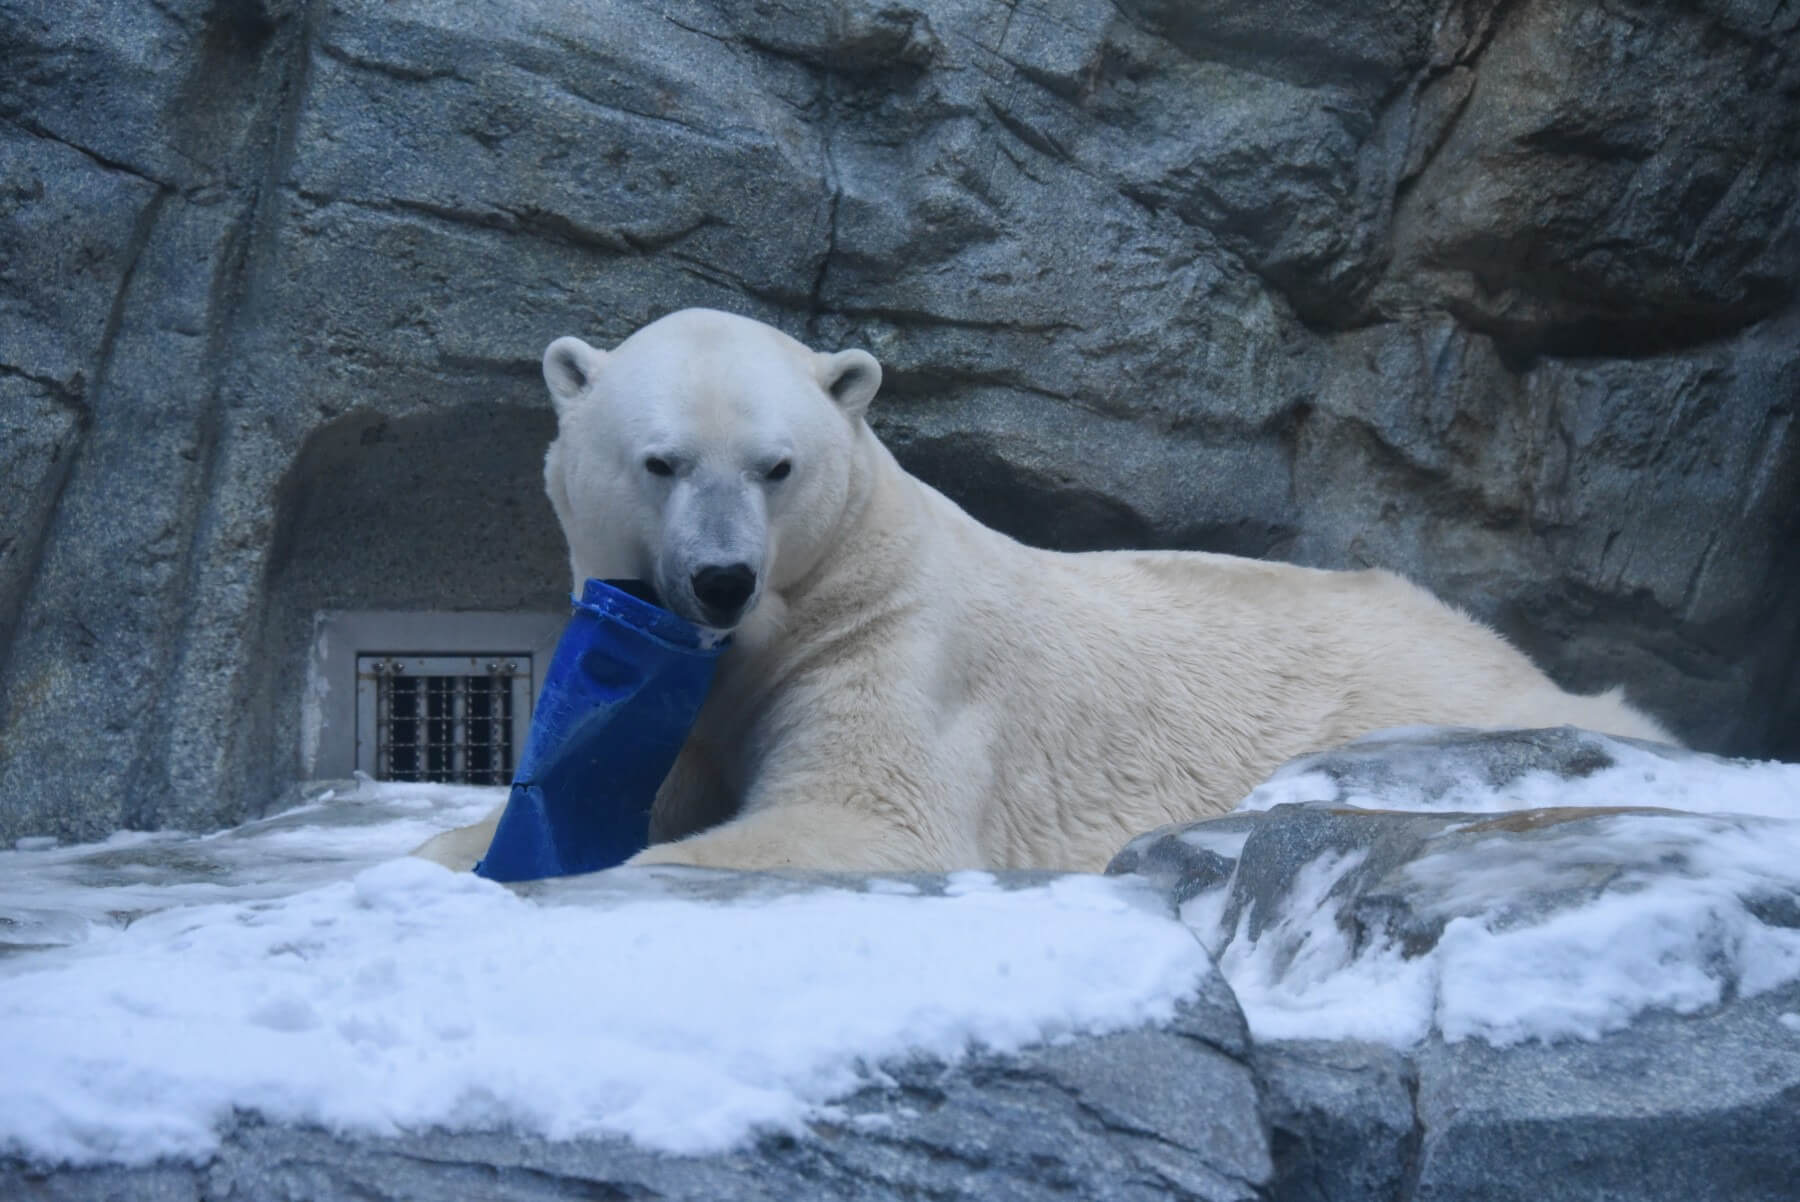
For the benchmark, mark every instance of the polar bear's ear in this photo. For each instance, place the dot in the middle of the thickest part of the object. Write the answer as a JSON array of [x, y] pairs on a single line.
[[569, 365], [851, 377]]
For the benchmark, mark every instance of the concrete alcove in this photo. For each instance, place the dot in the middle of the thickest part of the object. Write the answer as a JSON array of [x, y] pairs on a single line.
[[433, 531]]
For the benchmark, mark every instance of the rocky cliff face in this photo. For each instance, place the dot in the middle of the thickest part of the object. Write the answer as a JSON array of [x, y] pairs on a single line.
[[1497, 294]]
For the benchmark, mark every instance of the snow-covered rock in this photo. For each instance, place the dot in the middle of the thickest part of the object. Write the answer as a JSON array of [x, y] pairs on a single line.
[[289, 1002], [1586, 996], [1418, 990]]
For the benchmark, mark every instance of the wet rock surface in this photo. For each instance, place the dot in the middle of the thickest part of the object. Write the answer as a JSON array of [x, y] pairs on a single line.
[[1497, 295]]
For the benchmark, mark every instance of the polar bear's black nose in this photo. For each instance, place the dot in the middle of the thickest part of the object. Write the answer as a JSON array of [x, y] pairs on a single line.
[[723, 590]]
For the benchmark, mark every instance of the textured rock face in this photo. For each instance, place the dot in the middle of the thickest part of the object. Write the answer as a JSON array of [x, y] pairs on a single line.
[[1498, 295], [1687, 1090], [1673, 1108]]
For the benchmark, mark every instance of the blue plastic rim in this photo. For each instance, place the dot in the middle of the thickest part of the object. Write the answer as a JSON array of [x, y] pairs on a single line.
[[624, 687]]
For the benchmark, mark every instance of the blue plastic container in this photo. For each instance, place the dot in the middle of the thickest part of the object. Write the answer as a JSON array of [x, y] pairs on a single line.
[[624, 687]]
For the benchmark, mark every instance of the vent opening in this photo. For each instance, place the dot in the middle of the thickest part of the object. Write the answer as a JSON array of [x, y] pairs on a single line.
[[445, 719], [442, 698]]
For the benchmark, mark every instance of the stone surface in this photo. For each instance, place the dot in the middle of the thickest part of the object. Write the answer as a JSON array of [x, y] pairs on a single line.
[[1703, 1106], [1498, 295], [1627, 231], [39, 427], [1342, 1121], [1453, 768], [1188, 859], [1411, 875], [1694, 1097]]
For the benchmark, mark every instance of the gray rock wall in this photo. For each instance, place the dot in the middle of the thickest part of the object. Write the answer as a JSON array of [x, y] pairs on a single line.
[[1501, 295]]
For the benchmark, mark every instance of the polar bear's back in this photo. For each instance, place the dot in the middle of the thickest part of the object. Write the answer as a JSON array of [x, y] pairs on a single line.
[[1391, 652], [1171, 683]]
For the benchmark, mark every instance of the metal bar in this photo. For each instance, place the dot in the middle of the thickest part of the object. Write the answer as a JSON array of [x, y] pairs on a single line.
[[384, 714], [432, 718], [459, 730]]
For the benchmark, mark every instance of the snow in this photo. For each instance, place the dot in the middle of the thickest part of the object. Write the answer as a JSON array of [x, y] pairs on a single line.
[[1226, 843], [1656, 937], [301, 968], [55, 894], [1639, 776], [1543, 938], [1301, 978], [295, 968]]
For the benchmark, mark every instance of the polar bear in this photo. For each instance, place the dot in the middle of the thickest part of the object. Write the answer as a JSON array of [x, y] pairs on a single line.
[[906, 688]]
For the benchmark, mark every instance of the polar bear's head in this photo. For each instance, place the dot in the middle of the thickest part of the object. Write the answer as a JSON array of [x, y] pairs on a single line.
[[708, 454]]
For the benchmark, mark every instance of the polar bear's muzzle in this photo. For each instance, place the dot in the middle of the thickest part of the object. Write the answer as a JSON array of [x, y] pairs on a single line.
[[711, 559], [723, 590]]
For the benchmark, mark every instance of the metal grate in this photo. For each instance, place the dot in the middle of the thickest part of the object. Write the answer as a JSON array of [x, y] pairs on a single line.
[[452, 719]]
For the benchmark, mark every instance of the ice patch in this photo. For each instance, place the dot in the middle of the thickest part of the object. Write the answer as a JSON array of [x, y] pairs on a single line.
[[107, 884], [1204, 913]]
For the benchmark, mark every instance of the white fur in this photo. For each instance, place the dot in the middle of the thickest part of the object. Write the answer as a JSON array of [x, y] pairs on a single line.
[[914, 690]]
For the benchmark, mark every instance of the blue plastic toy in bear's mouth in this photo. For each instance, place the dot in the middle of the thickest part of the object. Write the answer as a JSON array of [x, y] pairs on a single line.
[[624, 687]]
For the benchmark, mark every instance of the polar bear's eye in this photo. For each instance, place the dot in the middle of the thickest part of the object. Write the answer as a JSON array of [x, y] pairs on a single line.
[[780, 471], [658, 466]]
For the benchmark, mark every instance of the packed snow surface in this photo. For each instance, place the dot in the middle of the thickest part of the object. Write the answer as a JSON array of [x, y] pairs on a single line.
[[1565, 932], [297, 969]]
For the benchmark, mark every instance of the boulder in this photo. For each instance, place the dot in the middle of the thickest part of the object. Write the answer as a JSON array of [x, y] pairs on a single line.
[[1675, 1106], [1598, 996]]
